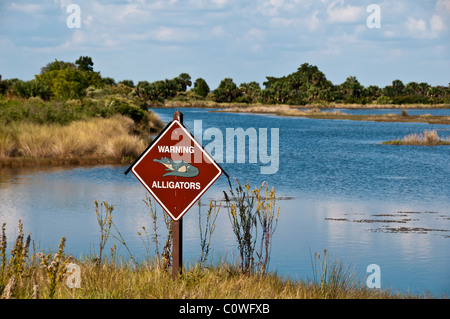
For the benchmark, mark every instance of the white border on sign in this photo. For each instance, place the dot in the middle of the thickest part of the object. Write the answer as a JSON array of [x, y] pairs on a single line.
[[204, 189]]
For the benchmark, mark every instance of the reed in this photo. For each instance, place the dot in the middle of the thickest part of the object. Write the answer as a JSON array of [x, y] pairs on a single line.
[[206, 231], [106, 277], [318, 113], [427, 138], [331, 277], [122, 279], [99, 137]]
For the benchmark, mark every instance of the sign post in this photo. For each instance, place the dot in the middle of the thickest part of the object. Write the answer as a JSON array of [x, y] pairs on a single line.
[[177, 171], [177, 230]]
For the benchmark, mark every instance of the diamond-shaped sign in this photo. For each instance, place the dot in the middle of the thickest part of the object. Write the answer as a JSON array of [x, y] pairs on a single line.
[[176, 170]]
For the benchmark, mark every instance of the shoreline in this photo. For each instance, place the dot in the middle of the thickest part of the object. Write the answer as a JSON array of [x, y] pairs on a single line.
[[337, 115], [311, 112], [20, 162], [211, 104]]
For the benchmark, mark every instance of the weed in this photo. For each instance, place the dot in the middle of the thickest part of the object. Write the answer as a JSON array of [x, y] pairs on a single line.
[[164, 258], [208, 230], [252, 215], [331, 277], [104, 220], [54, 267]]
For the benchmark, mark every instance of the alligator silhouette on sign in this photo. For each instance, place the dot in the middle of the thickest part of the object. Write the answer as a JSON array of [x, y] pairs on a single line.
[[177, 168]]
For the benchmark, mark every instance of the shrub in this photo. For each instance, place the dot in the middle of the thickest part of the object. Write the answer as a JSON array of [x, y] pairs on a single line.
[[384, 100]]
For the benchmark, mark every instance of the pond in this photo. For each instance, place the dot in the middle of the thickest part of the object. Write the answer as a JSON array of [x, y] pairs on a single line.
[[338, 188]]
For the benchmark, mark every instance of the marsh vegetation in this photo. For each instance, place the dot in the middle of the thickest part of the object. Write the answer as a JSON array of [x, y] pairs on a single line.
[[318, 113], [69, 115], [27, 273], [427, 138]]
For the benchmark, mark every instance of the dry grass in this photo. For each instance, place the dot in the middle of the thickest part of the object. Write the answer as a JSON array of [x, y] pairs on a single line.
[[317, 113], [6, 142], [427, 138], [103, 138], [27, 274], [124, 281]]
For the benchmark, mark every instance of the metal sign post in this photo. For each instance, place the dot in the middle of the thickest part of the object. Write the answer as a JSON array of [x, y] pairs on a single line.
[[177, 230]]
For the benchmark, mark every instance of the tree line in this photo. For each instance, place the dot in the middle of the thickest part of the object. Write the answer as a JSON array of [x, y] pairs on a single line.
[[66, 80]]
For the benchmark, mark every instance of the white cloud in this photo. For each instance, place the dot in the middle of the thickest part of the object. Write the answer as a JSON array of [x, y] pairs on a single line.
[[63, 3], [87, 22], [419, 28], [166, 34], [26, 8], [313, 22], [436, 23], [77, 40], [220, 2], [348, 14], [218, 31], [280, 21], [290, 31], [252, 39], [276, 3], [441, 17], [416, 27], [130, 9], [389, 34], [443, 5], [254, 34]]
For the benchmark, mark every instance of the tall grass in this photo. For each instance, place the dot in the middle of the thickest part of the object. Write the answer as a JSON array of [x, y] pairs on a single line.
[[331, 276], [104, 276], [99, 137], [427, 138], [23, 278]]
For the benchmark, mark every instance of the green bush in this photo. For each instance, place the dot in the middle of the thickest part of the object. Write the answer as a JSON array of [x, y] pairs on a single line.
[[384, 100]]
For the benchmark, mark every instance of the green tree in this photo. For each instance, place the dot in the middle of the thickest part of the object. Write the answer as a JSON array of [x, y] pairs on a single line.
[[200, 88], [3, 86], [158, 90], [398, 87], [423, 88], [108, 81], [129, 83], [84, 63], [351, 88], [32, 88], [56, 66], [394, 90], [184, 80], [372, 92], [227, 91], [412, 88], [67, 81], [251, 92], [306, 84]]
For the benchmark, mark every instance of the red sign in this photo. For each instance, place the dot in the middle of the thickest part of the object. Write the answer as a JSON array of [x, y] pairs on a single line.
[[176, 170]]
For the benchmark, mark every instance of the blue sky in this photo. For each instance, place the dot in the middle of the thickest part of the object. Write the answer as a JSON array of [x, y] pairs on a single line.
[[244, 40]]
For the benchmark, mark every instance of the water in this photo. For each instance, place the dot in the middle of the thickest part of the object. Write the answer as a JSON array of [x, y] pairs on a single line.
[[365, 111], [339, 190]]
